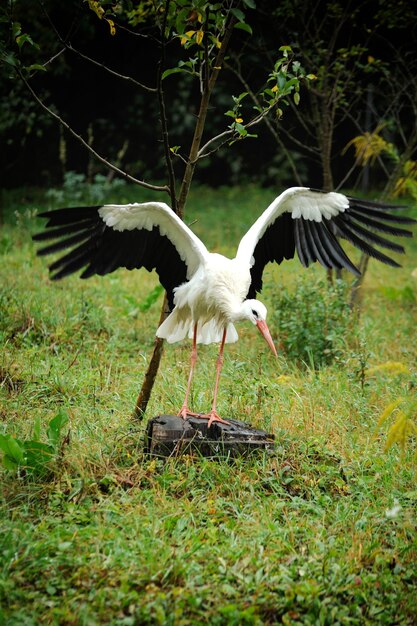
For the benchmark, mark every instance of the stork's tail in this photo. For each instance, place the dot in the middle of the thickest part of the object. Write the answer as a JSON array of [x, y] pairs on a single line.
[[175, 329]]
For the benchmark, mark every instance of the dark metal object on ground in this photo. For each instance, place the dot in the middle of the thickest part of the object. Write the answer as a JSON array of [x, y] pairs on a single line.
[[170, 435]]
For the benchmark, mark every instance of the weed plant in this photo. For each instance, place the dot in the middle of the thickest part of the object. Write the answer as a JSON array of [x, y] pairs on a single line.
[[76, 190], [321, 531], [314, 321]]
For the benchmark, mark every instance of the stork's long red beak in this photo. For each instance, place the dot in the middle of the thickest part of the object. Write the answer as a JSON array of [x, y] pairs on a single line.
[[264, 330]]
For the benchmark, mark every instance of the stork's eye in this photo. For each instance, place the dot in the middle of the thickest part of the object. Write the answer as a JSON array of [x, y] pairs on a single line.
[[255, 314]]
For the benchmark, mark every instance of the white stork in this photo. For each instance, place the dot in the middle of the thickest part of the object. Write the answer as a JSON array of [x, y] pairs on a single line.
[[207, 292]]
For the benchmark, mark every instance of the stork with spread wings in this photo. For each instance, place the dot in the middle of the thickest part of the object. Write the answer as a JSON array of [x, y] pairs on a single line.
[[207, 292]]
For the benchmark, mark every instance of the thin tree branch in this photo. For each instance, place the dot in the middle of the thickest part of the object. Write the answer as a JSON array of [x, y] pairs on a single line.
[[315, 152], [69, 47], [202, 152], [107, 69], [237, 72], [348, 174], [55, 56], [80, 139], [253, 122]]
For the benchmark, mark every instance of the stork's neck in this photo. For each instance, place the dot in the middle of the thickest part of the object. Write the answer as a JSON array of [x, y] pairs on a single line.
[[252, 310], [238, 313]]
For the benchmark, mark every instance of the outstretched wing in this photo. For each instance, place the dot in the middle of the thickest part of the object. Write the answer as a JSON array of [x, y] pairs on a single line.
[[310, 221], [102, 239]]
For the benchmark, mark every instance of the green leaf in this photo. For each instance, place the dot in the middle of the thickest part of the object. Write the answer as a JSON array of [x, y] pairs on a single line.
[[37, 455], [16, 29], [55, 426], [240, 97], [250, 3], [12, 448], [35, 67], [174, 70], [296, 97], [191, 63], [37, 429], [10, 59], [244, 26], [281, 81], [4, 443], [240, 129], [25, 38], [181, 20], [239, 15], [292, 82], [9, 463]]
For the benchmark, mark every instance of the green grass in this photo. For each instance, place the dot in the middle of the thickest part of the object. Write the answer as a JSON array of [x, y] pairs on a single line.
[[322, 531]]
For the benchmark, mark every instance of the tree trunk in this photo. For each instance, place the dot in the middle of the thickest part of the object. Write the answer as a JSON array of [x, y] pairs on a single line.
[[152, 370], [326, 149]]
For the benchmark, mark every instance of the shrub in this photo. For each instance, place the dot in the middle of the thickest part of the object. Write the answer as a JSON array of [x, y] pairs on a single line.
[[76, 189], [314, 321], [32, 456]]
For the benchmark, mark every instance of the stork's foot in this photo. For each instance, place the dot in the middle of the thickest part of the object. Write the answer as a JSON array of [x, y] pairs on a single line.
[[185, 413], [213, 416]]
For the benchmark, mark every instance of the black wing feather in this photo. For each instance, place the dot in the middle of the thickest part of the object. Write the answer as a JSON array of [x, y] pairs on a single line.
[[381, 215], [317, 252], [53, 233], [64, 243], [347, 233], [276, 245], [300, 243], [380, 226], [317, 240], [98, 249], [338, 256], [320, 247]]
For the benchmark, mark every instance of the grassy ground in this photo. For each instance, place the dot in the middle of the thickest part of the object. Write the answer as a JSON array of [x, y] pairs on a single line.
[[322, 531]]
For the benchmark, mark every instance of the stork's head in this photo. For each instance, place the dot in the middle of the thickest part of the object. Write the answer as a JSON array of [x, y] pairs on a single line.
[[255, 311]]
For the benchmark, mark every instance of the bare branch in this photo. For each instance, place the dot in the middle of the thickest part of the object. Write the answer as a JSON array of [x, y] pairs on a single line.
[[69, 47], [348, 174], [202, 152], [107, 69], [302, 145], [52, 59], [78, 137]]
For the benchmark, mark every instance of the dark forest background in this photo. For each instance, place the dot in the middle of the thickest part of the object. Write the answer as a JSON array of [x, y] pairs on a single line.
[[362, 53]]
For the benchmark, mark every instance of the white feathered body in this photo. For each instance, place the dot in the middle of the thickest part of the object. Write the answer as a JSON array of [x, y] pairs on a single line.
[[213, 298]]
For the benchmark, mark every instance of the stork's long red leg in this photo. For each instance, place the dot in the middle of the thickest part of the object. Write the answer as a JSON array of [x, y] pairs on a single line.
[[184, 412], [213, 415]]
